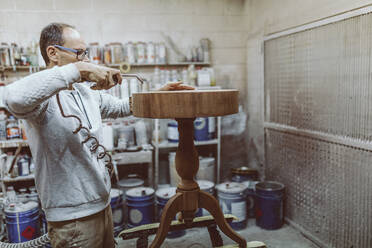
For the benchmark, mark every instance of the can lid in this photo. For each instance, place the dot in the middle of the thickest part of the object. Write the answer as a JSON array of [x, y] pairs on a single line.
[[166, 193], [115, 193], [244, 171], [270, 186], [205, 184], [21, 207], [250, 184], [130, 182], [231, 187], [140, 191]]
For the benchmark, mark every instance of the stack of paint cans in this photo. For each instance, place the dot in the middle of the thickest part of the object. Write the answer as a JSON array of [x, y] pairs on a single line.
[[269, 205], [206, 186], [117, 207], [231, 196], [126, 184], [249, 177], [162, 197], [22, 221], [140, 203]]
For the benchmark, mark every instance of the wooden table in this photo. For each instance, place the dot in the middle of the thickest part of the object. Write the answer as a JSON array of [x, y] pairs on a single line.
[[185, 106]]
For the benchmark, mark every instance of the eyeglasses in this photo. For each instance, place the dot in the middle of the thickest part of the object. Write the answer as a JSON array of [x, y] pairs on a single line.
[[80, 53]]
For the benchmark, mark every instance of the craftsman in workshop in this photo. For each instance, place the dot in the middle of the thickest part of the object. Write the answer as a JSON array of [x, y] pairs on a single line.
[[72, 181]]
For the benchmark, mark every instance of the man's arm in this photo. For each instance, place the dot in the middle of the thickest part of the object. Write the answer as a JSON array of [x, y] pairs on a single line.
[[27, 97], [113, 107]]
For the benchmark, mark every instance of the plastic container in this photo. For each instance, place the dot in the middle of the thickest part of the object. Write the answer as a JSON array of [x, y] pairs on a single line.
[[12, 128], [269, 205], [206, 169], [231, 196], [162, 197], [173, 135], [201, 129], [22, 221], [173, 175], [141, 206], [117, 207], [206, 186]]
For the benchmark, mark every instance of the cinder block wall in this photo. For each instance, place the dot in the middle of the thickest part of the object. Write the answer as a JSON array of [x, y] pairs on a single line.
[[185, 21]]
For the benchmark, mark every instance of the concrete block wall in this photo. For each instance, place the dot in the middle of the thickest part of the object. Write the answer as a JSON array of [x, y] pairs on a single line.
[[185, 21]]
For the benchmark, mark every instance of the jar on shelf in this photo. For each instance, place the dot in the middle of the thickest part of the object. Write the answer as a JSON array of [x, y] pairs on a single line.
[[12, 128]]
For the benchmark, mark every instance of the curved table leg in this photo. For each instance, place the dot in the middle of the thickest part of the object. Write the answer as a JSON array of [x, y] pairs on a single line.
[[173, 206], [211, 204]]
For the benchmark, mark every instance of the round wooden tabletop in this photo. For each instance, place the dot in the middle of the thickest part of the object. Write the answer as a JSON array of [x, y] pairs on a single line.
[[185, 104]]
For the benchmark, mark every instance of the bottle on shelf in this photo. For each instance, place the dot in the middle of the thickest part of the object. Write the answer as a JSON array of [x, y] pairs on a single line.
[[12, 128]]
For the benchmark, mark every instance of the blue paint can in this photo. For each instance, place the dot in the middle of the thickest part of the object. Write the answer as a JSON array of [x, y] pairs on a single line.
[[231, 196], [201, 129], [117, 207], [269, 205], [140, 205], [173, 135], [22, 221], [206, 186], [44, 227], [162, 197]]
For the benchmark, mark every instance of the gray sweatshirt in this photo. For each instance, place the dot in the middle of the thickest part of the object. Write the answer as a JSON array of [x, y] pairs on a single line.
[[71, 181]]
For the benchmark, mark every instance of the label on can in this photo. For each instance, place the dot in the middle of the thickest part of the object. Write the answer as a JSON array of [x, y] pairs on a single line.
[[135, 216], [239, 210]]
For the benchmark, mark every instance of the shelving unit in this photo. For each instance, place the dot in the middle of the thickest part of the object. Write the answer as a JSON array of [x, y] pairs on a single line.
[[171, 145]]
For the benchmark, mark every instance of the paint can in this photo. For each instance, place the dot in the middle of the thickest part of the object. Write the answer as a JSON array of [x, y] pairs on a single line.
[[269, 205], [117, 207], [206, 169], [231, 196], [140, 205], [129, 183], [250, 194], [162, 197], [22, 221], [44, 227], [173, 135], [206, 186], [201, 129], [243, 174]]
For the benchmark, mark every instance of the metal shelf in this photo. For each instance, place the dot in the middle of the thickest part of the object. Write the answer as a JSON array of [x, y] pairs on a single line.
[[166, 144], [8, 179], [139, 157], [13, 143]]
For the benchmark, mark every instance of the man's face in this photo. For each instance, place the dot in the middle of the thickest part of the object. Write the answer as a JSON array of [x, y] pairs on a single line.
[[72, 40]]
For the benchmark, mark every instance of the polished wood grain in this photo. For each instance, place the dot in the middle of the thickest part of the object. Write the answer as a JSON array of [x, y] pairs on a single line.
[[185, 104]]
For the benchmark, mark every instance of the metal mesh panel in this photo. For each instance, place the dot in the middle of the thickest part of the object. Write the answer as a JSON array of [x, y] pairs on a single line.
[[328, 187], [320, 80]]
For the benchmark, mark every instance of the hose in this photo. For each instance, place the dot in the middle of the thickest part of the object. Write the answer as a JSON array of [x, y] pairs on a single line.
[[43, 240]]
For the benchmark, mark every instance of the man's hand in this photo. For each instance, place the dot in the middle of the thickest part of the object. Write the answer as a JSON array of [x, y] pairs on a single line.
[[176, 86], [104, 77]]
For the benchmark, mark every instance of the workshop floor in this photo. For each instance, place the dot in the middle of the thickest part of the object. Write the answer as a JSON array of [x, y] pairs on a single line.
[[285, 237]]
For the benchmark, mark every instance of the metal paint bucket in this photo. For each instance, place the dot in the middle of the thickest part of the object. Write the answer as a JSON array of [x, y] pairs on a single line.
[[243, 173], [231, 196], [206, 186], [250, 197], [162, 197], [201, 129], [269, 204], [117, 207], [140, 205], [22, 221], [44, 227], [129, 183]]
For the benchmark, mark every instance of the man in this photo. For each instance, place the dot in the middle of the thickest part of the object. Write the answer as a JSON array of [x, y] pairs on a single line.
[[72, 182]]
